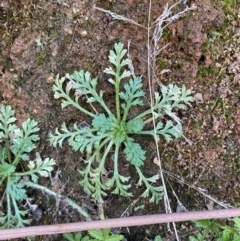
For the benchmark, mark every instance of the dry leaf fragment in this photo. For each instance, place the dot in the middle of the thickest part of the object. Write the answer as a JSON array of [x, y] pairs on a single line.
[[198, 98], [69, 85], [35, 210], [209, 205], [83, 33], [50, 79], [156, 161]]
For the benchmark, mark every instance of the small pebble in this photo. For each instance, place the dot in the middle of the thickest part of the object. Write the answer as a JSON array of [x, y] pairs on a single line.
[[84, 33]]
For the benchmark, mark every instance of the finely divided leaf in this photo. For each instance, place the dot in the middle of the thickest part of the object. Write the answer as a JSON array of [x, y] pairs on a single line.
[[60, 137], [57, 88], [81, 77], [169, 130], [25, 137], [135, 126], [134, 153], [97, 234], [6, 118], [16, 146], [87, 186], [174, 95], [80, 139], [87, 142], [125, 73], [6, 169], [173, 92], [237, 223], [87, 86], [121, 189], [82, 85], [116, 58], [84, 82], [78, 237], [133, 92], [104, 235], [40, 167], [102, 123], [3, 154], [12, 221], [16, 189], [156, 193], [69, 237], [186, 95], [114, 237]]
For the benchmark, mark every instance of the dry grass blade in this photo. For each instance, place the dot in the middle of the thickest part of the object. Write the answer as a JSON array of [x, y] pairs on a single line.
[[198, 189], [153, 51], [119, 17], [160, 24]]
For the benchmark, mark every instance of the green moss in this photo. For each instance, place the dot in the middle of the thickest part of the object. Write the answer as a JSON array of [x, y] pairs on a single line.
[[92, 68], [165, 34], [53, 33], [205, 72], [229, 7], [197, 125], [161, 63], [186, 79], [216, 141]]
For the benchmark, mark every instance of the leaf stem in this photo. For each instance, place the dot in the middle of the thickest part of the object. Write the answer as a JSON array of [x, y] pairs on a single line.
[[59, 93], [116, 159], [75, 104], [117, 87], [20, 152], [9, 212], [64, 198], [101, 102], [126, 110], [7, 142]]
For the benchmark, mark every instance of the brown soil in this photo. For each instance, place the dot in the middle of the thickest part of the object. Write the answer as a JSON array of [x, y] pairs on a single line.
[[40, 39]]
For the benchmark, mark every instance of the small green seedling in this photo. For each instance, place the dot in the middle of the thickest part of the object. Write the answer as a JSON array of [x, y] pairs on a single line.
[[217, 230], [158, 238], [15, 146], [95, 235], [109, 132]]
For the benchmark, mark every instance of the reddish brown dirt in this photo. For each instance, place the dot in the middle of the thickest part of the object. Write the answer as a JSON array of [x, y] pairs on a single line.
[[40, 39]]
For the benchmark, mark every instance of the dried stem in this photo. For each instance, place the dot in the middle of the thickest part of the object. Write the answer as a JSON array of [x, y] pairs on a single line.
[[117, 222]]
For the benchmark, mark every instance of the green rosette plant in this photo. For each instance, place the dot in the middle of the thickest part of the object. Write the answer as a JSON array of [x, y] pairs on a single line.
[[111, 130], [15, 146]]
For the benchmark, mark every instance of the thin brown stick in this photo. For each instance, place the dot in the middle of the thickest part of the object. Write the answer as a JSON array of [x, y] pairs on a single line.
[[117, 222]]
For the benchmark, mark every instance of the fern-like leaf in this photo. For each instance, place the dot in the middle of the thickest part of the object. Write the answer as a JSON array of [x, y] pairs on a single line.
[[40, 167], [24, 142], [134, 153], [133, 93]]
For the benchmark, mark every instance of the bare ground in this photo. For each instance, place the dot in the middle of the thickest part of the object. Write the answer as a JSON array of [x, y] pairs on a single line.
[[40, 39]]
